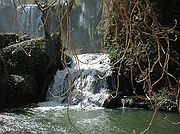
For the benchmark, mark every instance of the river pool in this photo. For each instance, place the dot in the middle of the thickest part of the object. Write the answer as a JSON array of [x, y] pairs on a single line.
[[54, 120]]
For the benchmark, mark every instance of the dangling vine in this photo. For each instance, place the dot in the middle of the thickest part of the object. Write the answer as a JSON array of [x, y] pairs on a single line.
[[141, 48], [138, 45]]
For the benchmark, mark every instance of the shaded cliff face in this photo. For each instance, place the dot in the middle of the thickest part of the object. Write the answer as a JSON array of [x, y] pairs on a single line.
[[138, 40]]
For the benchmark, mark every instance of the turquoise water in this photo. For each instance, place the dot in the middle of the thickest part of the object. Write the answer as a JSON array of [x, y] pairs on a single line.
[[52, 120]]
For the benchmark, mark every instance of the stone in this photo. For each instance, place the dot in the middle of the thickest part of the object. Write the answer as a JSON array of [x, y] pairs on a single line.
[[16, 90], [28, 57], [7, 39], [113, 101], [36, 58]]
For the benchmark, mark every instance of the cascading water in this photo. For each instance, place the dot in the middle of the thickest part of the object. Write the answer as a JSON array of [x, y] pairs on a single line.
[[88, 79], [89, 87], [26, 20], [29, 20], [85, 19]]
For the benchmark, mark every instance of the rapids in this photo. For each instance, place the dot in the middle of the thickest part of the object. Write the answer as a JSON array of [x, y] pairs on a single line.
[[87, 79]]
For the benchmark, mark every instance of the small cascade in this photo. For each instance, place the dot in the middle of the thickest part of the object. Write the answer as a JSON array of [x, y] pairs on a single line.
[[88, 81], [125, 102]]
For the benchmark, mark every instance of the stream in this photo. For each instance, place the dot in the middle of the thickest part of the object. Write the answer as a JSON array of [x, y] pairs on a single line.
[[84, 110], [51, 120], [89, 77]]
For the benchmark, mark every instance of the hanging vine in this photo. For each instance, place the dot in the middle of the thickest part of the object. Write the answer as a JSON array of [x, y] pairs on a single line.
[[140, 47]]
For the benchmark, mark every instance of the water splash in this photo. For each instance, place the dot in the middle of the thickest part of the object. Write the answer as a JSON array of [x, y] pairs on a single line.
[[89, 81], [124, 102]]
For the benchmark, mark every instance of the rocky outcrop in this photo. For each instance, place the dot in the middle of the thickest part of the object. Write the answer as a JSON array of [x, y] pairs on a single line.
[[27, 69]]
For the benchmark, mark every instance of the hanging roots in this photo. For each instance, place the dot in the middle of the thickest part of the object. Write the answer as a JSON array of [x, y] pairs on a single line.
[[140, 47]]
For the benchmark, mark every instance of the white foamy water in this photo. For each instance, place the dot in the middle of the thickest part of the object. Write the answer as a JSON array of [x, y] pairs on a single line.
[[85, 83]]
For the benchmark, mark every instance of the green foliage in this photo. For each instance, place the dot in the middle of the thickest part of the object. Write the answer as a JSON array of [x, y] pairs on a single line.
[[166, 100], [139, 46]]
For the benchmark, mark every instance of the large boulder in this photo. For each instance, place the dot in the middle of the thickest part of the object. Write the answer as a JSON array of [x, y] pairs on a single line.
[[28, 57], [36, 58]]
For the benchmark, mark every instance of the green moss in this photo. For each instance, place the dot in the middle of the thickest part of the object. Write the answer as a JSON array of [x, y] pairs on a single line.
[[16, 90], [27, 57], [7, 39], [78, 2]]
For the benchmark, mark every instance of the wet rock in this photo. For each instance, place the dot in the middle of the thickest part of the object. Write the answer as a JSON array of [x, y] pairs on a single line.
[[113, 101], [136, 102]]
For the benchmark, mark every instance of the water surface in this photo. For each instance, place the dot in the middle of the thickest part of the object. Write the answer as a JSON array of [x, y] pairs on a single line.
[[50, 120]]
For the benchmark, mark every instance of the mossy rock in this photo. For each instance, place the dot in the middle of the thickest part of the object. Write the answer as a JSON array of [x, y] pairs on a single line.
[[36, 57], [1, 66], [37, 60], [113, 101], [168, 105], [16, 90], [28, 57], [7, 39]]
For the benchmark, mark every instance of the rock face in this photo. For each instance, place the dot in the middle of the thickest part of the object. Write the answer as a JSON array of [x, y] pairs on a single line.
[[17, 90], [27, 69], [8, 39]]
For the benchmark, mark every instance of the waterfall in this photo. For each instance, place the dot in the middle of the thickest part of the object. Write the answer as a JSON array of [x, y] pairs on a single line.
[[29, 20], [89, 81], [26, 20], [85, 20]]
